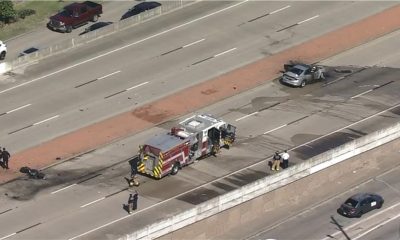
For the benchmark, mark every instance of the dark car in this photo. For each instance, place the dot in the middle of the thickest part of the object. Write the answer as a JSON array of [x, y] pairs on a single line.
[[141, 7], [95, 26], [359, 204]]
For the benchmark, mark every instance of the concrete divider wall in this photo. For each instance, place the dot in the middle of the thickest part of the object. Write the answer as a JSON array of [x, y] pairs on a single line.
[[64, 45], [267, 184]]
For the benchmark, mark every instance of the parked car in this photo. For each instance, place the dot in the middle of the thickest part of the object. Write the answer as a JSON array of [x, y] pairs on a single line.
[[75, 15], [299, 75], [141, 7], [3, 50], [359, 204]]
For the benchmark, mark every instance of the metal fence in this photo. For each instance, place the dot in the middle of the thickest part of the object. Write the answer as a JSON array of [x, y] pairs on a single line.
[[166, 7]]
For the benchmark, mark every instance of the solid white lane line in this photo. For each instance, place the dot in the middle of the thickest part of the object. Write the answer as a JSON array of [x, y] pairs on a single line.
[[377, 226], [12, 234], [361, 221], [108, 75], [280, 9], [48, 119], [284, 125], [308, 19], [126, 46], [59, 190], [87, 204], [248, 115], [16, 109], [139, 85], [190, 44], [230, 50], [361, 93]]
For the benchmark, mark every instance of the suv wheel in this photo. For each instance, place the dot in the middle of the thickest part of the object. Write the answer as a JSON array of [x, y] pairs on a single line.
[[303, 84], [68, 29], [2, 55]]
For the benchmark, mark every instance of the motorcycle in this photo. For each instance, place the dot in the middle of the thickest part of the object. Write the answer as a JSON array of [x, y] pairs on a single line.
[[33, 173]]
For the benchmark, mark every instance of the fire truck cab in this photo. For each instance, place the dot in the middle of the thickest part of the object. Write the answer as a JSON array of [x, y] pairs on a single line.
[[196, 137]]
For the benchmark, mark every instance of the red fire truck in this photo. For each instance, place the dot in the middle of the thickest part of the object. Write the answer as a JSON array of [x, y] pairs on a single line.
[[196, 137]]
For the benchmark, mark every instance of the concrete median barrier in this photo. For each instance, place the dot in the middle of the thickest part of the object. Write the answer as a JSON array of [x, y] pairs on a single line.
[[5, 67], [267, 184]]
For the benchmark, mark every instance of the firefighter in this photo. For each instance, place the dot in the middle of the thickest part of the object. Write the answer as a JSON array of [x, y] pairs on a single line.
[[276, 161], [214, 150], [133, 181]]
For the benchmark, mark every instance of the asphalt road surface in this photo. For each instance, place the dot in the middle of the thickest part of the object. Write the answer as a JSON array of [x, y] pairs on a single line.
[[86, 194], [155, 59]]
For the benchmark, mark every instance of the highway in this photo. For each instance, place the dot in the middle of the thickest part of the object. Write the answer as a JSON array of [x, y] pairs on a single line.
[[317, 218], [86, 193], [69, 91]]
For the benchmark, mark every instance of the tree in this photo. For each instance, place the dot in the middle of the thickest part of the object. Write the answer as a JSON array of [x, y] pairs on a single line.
[[7, 11]]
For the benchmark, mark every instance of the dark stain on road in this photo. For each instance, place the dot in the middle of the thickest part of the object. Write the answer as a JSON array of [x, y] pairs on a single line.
[[199, 196], [25, 188], [243, 178], [324, 144], [223, 186], [149, 114]]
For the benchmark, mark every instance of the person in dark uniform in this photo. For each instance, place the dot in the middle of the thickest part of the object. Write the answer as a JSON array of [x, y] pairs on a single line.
[[1, 158], [130, 203], [133, 181], [6, 156], [135, 200]]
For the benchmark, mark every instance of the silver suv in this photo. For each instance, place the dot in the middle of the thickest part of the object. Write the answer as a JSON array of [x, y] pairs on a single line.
[[299, 75], [3, 50]]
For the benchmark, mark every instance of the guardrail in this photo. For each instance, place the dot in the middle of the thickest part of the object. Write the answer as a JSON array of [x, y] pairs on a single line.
[[267, 184], [166, 7]]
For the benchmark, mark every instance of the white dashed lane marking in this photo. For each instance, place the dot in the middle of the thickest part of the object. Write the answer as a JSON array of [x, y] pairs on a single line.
[[182, 47], [125, 90], [16, 109], [34, 124], [298, 23], [270, 13]]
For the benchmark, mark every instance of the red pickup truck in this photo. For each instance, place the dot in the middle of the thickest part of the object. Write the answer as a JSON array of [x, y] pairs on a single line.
[[75, 15]]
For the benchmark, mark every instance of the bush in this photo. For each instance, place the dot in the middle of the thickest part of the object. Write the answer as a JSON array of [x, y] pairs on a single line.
[[25, 12], [7, 12]]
